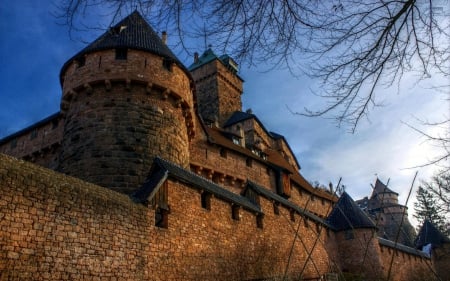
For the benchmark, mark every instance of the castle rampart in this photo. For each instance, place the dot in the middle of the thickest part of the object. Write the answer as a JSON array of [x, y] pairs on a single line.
[[39, 143]]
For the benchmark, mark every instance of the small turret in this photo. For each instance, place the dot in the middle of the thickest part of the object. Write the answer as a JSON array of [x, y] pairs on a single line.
[[357, 244], [126, 99]]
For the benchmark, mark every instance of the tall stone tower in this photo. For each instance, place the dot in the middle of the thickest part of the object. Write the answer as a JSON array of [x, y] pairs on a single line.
[[126, 99], [390, 216], [219, 88]]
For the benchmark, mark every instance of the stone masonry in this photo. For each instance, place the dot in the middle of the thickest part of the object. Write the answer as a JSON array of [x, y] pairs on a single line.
[[151, 171]]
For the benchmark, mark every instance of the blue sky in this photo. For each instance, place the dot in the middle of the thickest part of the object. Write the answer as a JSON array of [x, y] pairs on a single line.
[[34, 48]]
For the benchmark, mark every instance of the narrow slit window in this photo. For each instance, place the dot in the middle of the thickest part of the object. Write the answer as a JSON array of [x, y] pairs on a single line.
[[34, 134], [223, 152], [349, 234], [260, 221], [292, 215], [276, 208], [167, 64], [81, 61], [14, 143], [235, 212], [206, 200], [121, 53], [161, 218]]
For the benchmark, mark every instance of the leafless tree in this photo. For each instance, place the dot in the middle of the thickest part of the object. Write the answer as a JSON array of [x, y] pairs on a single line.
[[355, 47]]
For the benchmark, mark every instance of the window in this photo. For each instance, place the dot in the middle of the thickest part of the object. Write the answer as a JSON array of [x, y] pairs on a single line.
[[34, 134], [161, 218], [259, 221], [276, 208], [81, 61], [223, 152], [349, 234], [167, 64], [55, 123], [292, 214], [249, 162], [206, 200], [235, 212], [14, 143], [121, 54], [235, 140]]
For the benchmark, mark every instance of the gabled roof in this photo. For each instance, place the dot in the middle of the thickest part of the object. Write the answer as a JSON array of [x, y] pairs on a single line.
[[274, 159], [429, 234], [162, 169], [133, 32], [381, 188], [239, 116], [347, 215]]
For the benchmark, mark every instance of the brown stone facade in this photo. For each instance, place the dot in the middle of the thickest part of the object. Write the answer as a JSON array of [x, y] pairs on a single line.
[[228, 209], [39, 143], [55, 227], [119, 114], [218, 91]]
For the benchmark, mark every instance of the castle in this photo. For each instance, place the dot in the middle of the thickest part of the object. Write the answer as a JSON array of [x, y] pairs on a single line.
[[152, 171]]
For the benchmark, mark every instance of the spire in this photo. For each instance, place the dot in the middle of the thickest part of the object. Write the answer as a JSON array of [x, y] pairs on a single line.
[[381, 188], [347, 215]]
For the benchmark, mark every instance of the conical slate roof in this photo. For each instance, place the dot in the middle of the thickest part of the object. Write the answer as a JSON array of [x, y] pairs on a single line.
[[133, 32], [381, 188], [429, 234], [347, 215]]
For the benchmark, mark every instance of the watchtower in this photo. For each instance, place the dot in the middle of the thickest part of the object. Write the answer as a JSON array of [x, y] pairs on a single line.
[[126, 99], [219, 87]]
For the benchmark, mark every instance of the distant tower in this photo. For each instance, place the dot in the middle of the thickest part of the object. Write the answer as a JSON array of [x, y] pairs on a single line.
[[383, 206], [126, 99], [358, 249], [219, 88]]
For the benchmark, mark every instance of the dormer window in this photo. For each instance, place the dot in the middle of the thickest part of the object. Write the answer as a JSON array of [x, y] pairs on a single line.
[[259, 153], [121, 53]]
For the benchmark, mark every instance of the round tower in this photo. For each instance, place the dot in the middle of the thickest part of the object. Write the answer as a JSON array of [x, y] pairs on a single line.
[[126, 99]]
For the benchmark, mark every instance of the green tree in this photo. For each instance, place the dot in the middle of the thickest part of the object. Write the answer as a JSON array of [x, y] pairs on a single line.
[[429, 205]]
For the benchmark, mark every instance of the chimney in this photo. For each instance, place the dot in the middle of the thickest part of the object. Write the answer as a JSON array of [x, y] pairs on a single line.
[[164, 37], [195, 57]]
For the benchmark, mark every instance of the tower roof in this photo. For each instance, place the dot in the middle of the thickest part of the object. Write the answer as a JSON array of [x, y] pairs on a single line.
[[381, 188], [206, 57], [429, 234], [132, 32], [347, 215]]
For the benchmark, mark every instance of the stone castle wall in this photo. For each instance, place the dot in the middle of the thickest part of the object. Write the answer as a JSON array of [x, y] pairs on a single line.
[[57, 227], [39, 143], [406, 266], [232, 171]]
